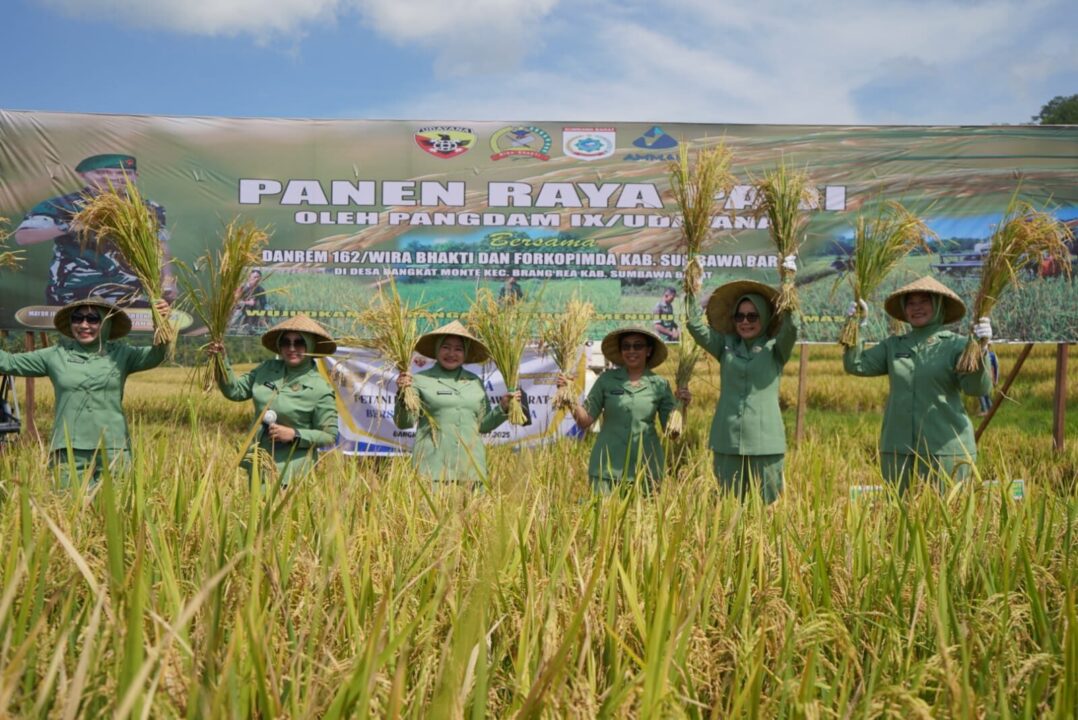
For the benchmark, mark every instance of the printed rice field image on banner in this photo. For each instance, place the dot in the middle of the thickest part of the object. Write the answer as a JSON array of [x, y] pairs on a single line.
[[533, 210]]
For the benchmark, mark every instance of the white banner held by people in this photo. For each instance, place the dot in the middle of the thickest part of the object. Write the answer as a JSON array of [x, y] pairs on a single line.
[[366, 389]]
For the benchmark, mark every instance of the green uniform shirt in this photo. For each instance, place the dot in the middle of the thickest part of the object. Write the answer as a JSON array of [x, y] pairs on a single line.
[[455, 413], [303, 401], [628, 424], [748, 420], [924, 412], [89, 387]]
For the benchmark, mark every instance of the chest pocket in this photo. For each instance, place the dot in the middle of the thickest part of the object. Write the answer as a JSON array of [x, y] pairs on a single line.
[[294, 404]]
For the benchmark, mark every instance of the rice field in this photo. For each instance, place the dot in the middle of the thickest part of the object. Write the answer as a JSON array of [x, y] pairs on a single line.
[[183, 590]]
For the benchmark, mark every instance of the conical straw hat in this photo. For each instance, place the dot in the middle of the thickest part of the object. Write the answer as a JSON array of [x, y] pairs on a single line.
[[121, 321], [720, 306], [323, 345], [953, 307], [612, 346], [427, 345]]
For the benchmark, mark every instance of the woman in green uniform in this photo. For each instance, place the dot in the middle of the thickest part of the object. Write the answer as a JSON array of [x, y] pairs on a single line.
[[455, 410], [925, 427], [88, 372], [748, 438], [295, 405], [629, 397]]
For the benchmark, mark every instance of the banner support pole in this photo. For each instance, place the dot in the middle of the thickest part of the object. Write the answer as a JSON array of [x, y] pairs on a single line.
[[28, 406], [1001, 393], [802, 393], [1059, 406]]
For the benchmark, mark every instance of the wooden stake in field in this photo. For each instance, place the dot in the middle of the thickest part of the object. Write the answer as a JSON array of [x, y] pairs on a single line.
[[505, 329], [391, 327], [695, 187], [213, 287], [562, 335], [1024, 238], [879, 244], [10, 259], [780, 196], [121, 216]]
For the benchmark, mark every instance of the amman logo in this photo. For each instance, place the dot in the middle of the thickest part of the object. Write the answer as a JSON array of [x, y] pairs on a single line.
[[445, 142], [520, 141]]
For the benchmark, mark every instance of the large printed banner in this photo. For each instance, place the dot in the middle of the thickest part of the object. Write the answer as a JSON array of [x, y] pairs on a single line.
[[366, 388], [537, 210]]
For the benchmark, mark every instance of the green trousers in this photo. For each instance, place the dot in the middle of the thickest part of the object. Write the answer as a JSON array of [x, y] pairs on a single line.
[[70, 466], [739, 473], [942, 471]]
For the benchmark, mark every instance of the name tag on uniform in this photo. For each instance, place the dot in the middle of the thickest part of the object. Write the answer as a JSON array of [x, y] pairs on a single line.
[[446, 392], [617, 392], [903, 355]]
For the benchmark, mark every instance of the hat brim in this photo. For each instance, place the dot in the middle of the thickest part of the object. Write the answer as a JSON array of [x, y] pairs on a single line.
[[324, 344], [427, 345], [611, 346], [720, 306], [953, 307], [120, 321]]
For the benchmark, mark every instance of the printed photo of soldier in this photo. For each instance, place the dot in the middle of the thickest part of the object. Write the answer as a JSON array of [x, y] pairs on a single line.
[[664, 310], [80, 266], [511, 291], [248, 316]]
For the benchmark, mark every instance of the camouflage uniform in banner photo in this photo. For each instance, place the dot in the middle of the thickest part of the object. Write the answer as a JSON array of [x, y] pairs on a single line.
[[80, 268]]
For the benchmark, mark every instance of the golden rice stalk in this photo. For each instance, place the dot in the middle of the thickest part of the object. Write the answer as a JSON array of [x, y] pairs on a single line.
[[505, 329], [10, 259], [213, 286], [391, 327], [563, 335], [695, 187], [879, 245], [689, 354], [1024, 238], [122, 217], [780, 197]]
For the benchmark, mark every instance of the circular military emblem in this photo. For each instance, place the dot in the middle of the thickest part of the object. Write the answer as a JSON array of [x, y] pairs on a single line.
[[519, 141], [444, 141]]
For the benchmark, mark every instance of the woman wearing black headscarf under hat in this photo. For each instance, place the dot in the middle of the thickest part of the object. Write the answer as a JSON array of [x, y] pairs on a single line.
[[748, 438], [302, 402], [629, 397], [88, 371], [926, 431]]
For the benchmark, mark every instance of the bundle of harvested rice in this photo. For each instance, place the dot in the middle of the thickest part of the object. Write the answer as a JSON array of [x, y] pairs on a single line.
[[1024, 238], [689, 355], [121, 217], [696, 187], [10, 259], [879, 244], [213, 287], [505, 329], [563, 335], [391, 327], [780, 196]]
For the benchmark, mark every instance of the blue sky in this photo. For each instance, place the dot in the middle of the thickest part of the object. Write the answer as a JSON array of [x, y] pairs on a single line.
[[714, 61]]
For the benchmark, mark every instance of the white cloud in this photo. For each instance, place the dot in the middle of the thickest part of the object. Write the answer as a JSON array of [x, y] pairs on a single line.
[[259, 18], [831, 61], [828, 61]]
